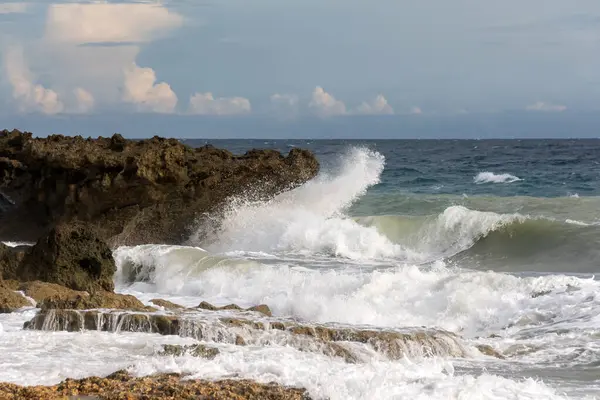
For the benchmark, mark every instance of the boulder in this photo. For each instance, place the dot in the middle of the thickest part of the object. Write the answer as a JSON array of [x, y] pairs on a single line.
[[70, 255], [130, 192]]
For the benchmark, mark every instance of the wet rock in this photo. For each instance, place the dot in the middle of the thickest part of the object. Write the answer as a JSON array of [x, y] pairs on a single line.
[[261, 308], [490, 351], [541, 293], [70, 256], [166, 304], [331, 341], [131, 192], [11, 300], [83, 301], [198, 350], [120, 385]]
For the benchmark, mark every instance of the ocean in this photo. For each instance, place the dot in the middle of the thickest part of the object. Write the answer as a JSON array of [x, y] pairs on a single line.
[[497, 241]]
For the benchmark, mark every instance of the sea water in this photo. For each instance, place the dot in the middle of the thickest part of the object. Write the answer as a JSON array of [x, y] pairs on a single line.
[[496, 241]]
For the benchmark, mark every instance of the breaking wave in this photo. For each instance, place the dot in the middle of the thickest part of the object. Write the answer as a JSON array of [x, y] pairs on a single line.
[[490, 177]]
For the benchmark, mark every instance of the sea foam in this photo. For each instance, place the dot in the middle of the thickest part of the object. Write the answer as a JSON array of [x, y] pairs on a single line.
[[490, 177]]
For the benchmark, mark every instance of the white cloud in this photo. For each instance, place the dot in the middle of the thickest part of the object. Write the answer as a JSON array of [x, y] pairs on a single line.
[[545, 107], [142, 90], [379, 106], [416, 111], [326, 105], [85, 100], [108, 23], [13, 8], [30, 96], [207, 104]]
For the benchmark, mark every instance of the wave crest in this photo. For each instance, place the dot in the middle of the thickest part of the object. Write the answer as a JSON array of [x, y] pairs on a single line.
[[490, 177]]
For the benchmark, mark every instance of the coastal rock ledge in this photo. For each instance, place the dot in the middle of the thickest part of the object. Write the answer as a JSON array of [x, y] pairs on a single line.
[[130, 192]]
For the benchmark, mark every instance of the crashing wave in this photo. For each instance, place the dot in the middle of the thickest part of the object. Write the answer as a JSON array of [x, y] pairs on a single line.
[[490, 177]]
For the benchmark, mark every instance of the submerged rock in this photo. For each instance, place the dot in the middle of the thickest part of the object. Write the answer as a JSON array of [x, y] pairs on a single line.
[[72, 256], [121, 385], [198, 350], [261, 308], [346, 343], [131, 192]]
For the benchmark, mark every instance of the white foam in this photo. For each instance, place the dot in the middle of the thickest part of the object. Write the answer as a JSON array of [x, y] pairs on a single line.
[[491, 177], [470, 302], [333, 379], [16, 244], [310, 219]]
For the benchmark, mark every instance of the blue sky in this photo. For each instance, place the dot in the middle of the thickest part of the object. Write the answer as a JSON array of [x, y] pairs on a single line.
[[293, 60]]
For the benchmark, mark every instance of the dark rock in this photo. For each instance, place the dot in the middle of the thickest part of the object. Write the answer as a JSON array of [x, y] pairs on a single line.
[[71, 256], [10, 261], [130, 192]]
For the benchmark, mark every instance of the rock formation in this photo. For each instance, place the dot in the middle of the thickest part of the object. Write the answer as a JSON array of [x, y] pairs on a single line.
[[130, 192], [121, 385]]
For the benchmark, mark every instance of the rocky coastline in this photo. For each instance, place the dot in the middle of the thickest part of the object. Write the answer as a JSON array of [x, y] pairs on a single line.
[[78, 199]]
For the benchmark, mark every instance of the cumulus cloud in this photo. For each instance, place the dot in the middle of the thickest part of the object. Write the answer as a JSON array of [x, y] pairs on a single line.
[[109, 23], [545, 107], [416, 111], [325, 105], [84, 100], [141, 89], [13, 8], [207, 104], [31, 97], [379, 106]]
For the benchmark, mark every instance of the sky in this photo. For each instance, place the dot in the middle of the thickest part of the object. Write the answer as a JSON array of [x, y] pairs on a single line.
[[316, 64]]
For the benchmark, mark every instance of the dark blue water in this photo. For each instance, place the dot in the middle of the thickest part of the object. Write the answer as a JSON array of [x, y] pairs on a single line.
[[546, 168]]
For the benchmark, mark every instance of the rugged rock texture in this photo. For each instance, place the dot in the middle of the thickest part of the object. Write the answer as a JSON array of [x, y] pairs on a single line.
[[99, 299], [11, 300], [71, 256], [130, 192], [10, 261], [346, 343], [121, 385], [40, 291]]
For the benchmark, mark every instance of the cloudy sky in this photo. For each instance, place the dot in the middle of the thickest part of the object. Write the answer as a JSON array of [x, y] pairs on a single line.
[[320, 59]]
